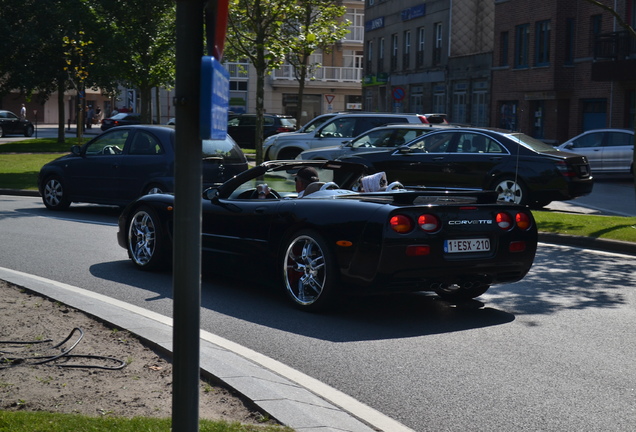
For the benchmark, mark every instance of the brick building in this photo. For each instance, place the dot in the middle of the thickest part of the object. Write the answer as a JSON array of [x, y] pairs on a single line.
[[561, 67]]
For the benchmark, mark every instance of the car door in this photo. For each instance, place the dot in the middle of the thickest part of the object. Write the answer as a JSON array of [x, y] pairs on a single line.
[[145, 163], [618, 151], [422, 162], [470, 160], [590, 145], [10, 123], [236, 231], [92, 176]]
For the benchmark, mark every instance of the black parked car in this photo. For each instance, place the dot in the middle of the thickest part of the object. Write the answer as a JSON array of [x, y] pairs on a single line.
[[335, 240], [242, 127], [126, 162], [11, 124], [121, 119], [520, 168]]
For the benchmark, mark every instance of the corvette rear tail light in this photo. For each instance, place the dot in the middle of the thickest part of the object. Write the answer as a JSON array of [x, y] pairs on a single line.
[[428, 222], [565, 169], [517, 246], [523, 221], [401, 224], [504, 221]]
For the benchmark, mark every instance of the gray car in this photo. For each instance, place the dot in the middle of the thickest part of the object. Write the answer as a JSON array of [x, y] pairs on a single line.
[[377, 139], [609, 151]]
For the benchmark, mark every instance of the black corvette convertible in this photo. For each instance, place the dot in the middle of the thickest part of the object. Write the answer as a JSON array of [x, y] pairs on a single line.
[[339, 239]]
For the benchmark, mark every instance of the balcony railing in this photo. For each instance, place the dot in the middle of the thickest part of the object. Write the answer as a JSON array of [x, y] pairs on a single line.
[[324, 73], [238, 71], [614, 46]]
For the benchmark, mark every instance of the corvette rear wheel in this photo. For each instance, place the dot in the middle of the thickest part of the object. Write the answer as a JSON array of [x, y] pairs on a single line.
[[145, 239], [457, 294], [309, 271]]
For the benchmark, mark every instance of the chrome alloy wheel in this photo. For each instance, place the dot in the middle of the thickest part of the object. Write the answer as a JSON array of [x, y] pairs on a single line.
[[53, 192], [142, 234], [509, 191], [305, 270]]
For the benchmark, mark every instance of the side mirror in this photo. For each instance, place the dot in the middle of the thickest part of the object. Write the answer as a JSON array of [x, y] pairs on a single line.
[[404, 149], [76, 150], [211, 194]]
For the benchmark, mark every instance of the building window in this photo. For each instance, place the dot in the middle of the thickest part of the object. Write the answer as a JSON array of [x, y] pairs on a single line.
[[369, 57], [407, 50], [479, 112], [381, 56], [420, 46], [439, 98], [394, 51], [570, 34], [595, 30], [437, 47], [542, 48], [508, 115], [417, 99], [522, 34], [503, 49], [459, 107]]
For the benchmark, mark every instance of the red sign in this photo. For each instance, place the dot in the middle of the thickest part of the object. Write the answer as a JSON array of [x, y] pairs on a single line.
[[329, 98], [398, 93]]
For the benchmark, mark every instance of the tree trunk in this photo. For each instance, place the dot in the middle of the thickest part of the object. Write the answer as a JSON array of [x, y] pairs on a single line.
[[146, 104], [61, 121]]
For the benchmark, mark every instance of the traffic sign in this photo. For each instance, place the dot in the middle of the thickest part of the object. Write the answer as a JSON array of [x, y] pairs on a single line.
[[398, 93], [329, 98]]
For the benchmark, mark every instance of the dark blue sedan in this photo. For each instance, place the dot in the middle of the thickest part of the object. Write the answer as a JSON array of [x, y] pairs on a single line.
[[126, 162]]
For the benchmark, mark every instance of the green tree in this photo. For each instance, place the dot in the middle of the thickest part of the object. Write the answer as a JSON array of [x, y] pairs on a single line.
[[141, 38], [255, 32], [31, 40], [314, 25]]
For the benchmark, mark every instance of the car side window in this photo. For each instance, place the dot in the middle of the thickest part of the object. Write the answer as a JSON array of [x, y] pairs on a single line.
[[619, 139], [588, 141], [436, 143], [378, 138], [108, 144], [342, 127], [145, 144]]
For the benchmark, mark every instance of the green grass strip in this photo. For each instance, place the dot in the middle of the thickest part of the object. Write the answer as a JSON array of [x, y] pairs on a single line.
[[25, 421]]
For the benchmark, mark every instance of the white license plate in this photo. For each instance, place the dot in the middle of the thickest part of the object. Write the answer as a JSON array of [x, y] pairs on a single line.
[[467, 245]]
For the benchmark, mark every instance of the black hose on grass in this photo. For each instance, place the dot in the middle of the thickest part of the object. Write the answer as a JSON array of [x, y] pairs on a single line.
[[10, 359]]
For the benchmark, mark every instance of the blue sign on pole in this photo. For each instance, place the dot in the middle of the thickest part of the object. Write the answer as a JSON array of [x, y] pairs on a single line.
[[215, 99]]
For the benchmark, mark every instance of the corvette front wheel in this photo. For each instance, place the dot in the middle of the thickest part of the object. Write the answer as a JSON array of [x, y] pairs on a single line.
[[309, 271], [146, 240]]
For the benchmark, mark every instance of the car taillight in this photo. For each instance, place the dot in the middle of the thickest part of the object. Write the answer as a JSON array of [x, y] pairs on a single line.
[[423, 119], [284, 129], [428, 222], [504, 221], [517, 246], [523, 221], [401, 224], [565, 169]]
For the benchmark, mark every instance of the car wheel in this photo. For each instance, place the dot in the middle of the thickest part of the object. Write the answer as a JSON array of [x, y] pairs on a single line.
[[456, 294], [28, 131], [54, 195], [510, 190], [145, 239], [309, 271]]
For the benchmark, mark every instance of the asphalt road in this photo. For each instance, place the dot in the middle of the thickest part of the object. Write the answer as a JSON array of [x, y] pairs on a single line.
[[552, 352]]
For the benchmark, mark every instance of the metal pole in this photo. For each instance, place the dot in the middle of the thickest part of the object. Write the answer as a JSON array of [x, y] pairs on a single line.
[[187, 219]]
